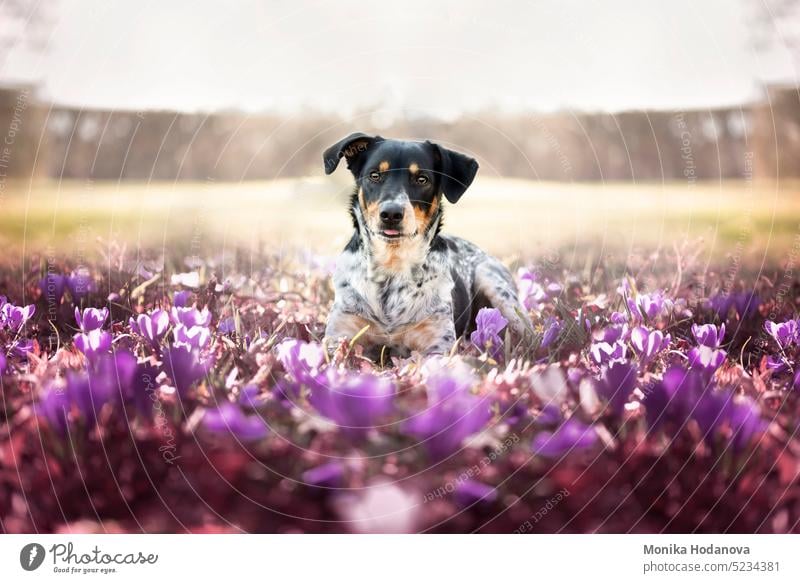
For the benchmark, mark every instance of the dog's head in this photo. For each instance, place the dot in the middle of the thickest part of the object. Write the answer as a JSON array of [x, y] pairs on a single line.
[[399, 184]]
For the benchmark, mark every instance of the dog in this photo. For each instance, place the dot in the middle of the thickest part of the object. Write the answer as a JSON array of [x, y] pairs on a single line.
[[412, 288]]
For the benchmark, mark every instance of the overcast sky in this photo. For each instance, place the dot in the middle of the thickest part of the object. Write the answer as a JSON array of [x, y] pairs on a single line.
[[443, 57]]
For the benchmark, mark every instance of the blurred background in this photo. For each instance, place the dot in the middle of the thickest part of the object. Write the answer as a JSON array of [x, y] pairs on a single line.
[[623, 124]]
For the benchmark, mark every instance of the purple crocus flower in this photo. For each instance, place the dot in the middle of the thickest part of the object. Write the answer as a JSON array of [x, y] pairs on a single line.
[[605, 353], [706, 359], [191, 317], [572, 435], [453, 412], [715, 409], [54, 407], [648, 343], [616, 384], [80, 284], [184, 366], [229, 419], [52, 288], [531, 294], [745, 304], [471, 492], [249, 397], [552, 328], [486, 337], [93, 343], [611, 334], [91, 319], [227, 326], [797, 380], [181, 298], [618, 318], [708, 334], [673, 398], [330, 475], [745, 422], [15, 317], [354, 402], [3, 363], [143, 388], [785, 333], [302, 360], [22, 347], [648, 306], [152, 326], [192, 337], [777, 364]]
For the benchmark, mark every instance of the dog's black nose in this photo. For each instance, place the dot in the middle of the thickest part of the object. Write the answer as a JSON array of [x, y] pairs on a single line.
[[392, 213]]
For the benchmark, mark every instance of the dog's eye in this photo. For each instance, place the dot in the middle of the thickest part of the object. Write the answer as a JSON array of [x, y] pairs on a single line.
[[422, 180], [375, 176]]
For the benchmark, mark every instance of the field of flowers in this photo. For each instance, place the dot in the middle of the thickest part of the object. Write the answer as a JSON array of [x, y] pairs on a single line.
[[137, 396]]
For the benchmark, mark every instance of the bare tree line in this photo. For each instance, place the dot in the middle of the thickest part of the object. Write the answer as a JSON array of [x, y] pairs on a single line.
[[762, 139]]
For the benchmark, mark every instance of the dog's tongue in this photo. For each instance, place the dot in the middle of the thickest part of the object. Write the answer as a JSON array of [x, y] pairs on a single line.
[[390, 232]]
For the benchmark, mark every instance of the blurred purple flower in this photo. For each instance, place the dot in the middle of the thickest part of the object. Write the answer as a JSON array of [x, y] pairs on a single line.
[[673, 398], [54, 406], [227, 326], [745, 422], [649, 343], [453, 412], [249, 396], [3, 363], [329, 475], [302, 360], [486, 337], [91, 319], [191, 317], [195, 337], [470, 492], [80, 284], [572, 435], [716, 409], [143, 388], [616, 384], [605, 353], [181, 298], [52, 288], [549, 415], [229, 419], [184, 366], [745, 304], [93, 343], [552, 330], [152, 326], [785, 333], [708, 334], [354, 402], [797, 380]]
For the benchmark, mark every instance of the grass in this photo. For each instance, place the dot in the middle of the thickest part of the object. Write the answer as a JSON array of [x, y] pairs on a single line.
[[503, 215]]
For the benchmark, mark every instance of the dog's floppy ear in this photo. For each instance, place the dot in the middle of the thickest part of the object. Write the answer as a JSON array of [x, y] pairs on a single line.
[[457, 172], [351, 148]]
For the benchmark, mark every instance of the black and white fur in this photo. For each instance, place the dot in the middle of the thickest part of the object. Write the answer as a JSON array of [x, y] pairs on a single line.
[[416, 289]]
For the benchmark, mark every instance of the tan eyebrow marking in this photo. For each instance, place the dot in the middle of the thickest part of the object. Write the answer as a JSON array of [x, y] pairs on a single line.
[[383, 166], [413, 168]]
